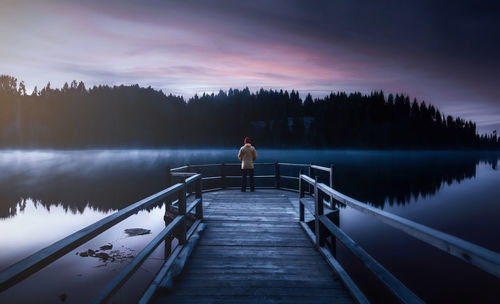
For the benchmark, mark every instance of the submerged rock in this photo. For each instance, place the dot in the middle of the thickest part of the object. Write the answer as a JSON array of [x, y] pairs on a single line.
[[137, 231], [96, 254], [111, 256], [84, 254], [102, 255], [106, 247]]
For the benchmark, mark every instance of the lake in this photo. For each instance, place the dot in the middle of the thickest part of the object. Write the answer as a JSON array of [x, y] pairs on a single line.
[[46, 195]]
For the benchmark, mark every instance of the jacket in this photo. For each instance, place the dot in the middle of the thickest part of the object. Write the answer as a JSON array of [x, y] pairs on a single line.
[[247, 155]]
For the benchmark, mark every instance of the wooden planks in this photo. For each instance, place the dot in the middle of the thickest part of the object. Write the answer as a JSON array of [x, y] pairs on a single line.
[[254, 251]]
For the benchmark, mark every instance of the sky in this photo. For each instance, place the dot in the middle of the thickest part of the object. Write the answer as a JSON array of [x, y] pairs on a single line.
[[443, 52]]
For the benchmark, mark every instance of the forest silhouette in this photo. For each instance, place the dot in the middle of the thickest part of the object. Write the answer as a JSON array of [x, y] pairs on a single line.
[[132, 116]]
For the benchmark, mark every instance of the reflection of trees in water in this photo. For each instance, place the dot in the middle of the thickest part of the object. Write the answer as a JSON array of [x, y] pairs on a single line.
[[396, 181], [113, 189], [379, 178]]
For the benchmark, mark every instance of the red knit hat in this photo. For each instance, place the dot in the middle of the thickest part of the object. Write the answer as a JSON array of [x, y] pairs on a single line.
[[247, 140]]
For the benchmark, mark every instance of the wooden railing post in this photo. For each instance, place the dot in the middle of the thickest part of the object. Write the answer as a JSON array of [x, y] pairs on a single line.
[[168, 239], [222, 176], [309, 173], [182, 211], [168, 183], [301, 195], [332, 244], [318, 211], [199, 186], [189, 187], [331, 186], [277, 174]]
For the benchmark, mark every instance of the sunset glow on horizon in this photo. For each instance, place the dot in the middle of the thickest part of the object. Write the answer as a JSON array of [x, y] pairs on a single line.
[[186, 47]]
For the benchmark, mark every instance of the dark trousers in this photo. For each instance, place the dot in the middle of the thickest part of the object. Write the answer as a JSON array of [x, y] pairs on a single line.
[[244, 173]]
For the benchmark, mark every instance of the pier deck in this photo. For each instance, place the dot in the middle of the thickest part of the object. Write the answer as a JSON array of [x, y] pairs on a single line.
[[268, 246], [254, 251]]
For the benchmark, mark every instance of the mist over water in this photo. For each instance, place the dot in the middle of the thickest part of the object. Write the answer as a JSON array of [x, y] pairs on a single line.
[[48, 194], [111, 179]]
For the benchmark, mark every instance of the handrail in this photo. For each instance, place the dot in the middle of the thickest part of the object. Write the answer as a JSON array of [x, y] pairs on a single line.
[[223, 177], [480, 257], [47, 255], [28, 266], [193, 205], [192, 179], [211, 177], [136, 262], [256, 176], [179, 168], [238, 176], [296, 165], [475, 255], [205, 165], [182, 174], [239, 164], [222, 180], [307, 179], [390, 281], [180, 220], [321, 168]]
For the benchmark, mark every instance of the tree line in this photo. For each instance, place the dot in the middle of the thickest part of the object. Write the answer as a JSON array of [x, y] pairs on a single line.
[[131, 116]]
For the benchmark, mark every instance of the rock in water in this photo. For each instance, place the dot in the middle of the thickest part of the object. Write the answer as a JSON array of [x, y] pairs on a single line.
[[137, 231], [106, 247], [102, 255]]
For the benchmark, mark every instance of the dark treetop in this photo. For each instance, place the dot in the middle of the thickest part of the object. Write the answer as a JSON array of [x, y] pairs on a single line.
[[120, 116]]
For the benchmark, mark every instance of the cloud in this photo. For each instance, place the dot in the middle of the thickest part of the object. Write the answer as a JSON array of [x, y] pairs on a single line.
[[444, 52]]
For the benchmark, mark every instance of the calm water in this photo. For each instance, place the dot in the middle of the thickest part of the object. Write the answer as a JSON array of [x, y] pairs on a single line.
[[46, 195]]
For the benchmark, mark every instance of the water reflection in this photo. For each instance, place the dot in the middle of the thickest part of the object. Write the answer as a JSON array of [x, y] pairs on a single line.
[[112, 179], [46, 195], [103, 180], [401, 178], [84, 271]]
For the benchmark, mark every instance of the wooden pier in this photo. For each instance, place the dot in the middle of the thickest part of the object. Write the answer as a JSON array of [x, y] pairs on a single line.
[[254, 251], [274, 245]]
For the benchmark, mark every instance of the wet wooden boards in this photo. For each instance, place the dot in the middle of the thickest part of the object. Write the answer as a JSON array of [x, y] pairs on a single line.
[[254, 251]]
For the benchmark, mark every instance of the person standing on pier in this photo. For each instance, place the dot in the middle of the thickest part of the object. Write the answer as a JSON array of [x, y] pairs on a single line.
[[247, 155]]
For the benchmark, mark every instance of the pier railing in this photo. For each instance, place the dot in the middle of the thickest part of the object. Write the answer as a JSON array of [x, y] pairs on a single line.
[[269, 175], [318, 198], [325, 225], [314, 183], [175, 195]]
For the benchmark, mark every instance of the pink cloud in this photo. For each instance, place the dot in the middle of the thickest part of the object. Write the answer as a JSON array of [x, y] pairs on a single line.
[[186, 51]]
